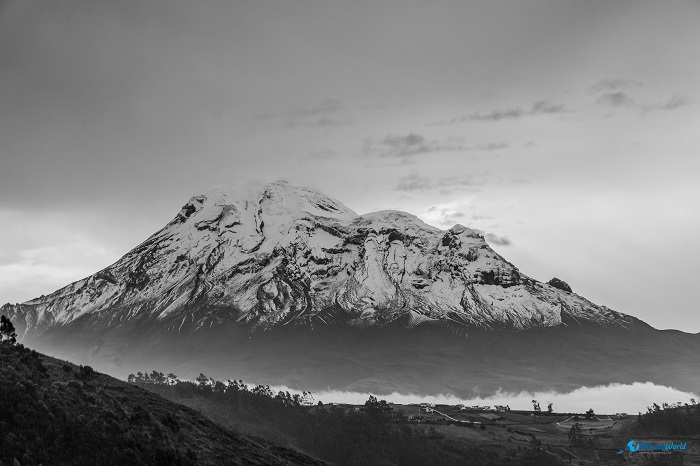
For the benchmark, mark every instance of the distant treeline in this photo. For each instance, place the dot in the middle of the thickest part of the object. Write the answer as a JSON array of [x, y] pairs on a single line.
[[674, 419], [334, 434], [211, 388]]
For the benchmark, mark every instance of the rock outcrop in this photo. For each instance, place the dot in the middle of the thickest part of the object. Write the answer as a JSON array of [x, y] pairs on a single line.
[[559, 284]]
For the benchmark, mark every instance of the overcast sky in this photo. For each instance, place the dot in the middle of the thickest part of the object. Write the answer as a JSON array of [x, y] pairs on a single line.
[[568, 131]]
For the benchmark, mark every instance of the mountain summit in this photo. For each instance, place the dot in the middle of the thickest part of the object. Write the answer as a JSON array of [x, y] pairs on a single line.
[[273, 264], [278, 254]]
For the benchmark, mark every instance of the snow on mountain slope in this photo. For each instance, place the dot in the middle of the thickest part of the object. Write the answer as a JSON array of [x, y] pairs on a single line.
[[278, 255]]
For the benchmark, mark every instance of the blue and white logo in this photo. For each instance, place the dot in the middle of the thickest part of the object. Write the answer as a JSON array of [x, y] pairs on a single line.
[[634, 446]]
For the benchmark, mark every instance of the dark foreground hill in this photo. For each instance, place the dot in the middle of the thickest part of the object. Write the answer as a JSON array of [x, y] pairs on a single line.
[[53, 412]]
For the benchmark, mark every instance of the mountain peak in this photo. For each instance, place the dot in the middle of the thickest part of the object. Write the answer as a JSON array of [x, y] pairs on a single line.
[[267, 255], [240, 267], [279, 197]]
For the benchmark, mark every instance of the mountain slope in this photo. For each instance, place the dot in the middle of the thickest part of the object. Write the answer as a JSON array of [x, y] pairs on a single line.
[[53, 412]]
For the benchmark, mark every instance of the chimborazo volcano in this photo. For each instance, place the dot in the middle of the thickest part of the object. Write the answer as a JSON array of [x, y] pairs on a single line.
[[279, 284]]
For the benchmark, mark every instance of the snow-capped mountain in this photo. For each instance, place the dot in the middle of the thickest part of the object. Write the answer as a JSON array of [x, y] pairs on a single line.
[[277, 254], [240, 265]]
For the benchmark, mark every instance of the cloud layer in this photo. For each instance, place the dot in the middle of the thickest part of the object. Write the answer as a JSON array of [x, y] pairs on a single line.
[[615, 93], [444, 185], [540, 107], [324, 114], [603, 399], [412, 144], [616, 84], [497, 240]]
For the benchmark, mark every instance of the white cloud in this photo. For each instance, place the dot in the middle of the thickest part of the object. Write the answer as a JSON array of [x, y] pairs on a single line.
[[613, 85], [413, 144], [539, 107], [498, 240], [49, 268], [445, 185], [30, 267], [615, 99], [603, 399], [442, 215]]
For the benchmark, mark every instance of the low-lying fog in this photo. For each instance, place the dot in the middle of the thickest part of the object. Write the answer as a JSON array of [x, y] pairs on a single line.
[[604, 399]]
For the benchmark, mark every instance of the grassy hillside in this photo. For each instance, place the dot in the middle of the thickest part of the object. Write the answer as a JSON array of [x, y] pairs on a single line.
[[54, 412], [674, 419], [334, 434]]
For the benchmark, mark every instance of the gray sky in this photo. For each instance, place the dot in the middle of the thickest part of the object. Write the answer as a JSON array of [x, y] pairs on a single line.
[[566, 130]]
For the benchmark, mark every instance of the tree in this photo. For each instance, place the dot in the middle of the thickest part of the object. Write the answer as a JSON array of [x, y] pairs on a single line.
[[157, 378], [86, 372], [536, 406], [550, 407], [219, 387], [590, 414], [371, 403], [307, 398], [202, 381], [376, 407], [7, 331], [575, 435]]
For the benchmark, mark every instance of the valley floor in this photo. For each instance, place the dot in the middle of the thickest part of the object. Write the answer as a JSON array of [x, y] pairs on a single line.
[[448, 429]]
